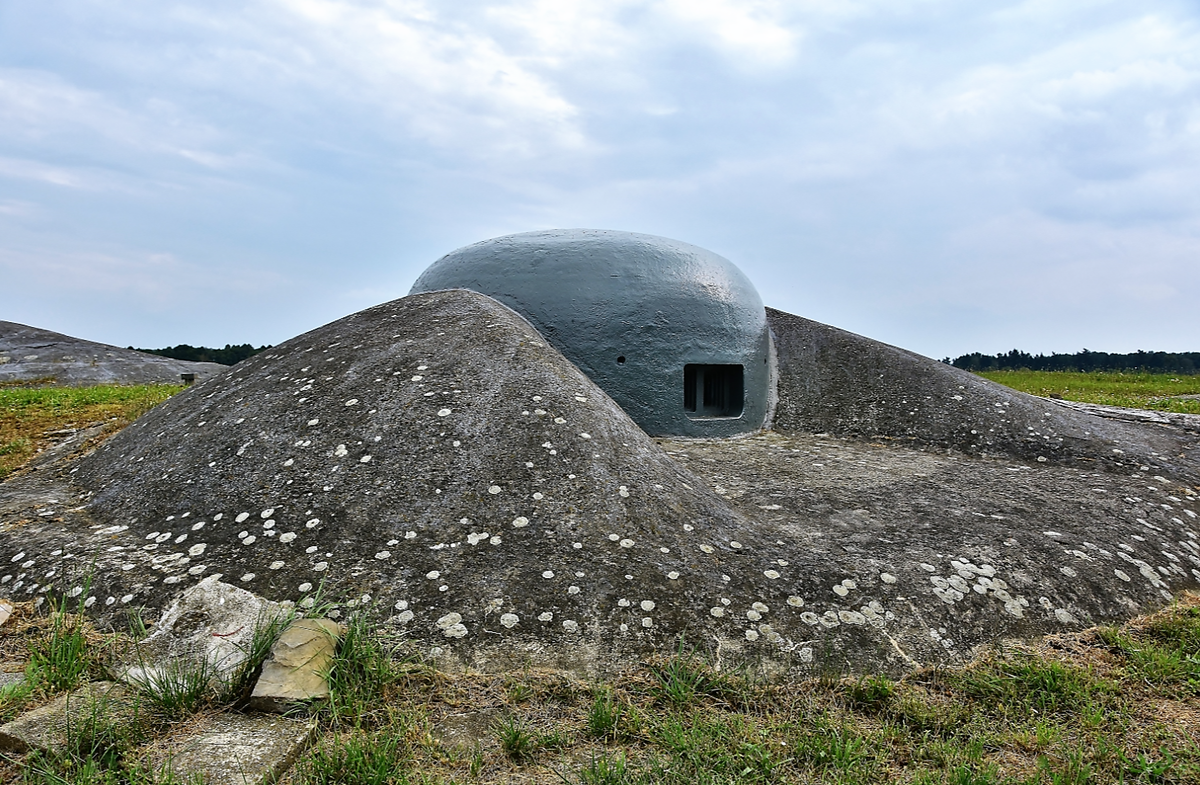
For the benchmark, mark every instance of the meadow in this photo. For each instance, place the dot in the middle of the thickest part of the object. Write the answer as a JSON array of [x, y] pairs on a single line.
[[1159, 391]]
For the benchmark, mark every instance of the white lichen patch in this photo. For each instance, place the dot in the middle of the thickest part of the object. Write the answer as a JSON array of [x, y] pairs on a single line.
[[494, 489], [197, 549], [647, 605], [520, 522], [570, 625], [509, 620], [383, 555], [546, 616], [772, 574], [795, 602]]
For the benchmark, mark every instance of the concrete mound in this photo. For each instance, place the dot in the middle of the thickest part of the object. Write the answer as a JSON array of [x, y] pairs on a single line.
[[436, 459], [834, 381], [29, 354]]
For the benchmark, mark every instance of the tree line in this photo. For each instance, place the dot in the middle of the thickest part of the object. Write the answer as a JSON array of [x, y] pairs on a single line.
[[203, 354], [1083, 361]]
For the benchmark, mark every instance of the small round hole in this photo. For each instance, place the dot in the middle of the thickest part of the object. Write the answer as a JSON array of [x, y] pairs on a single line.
[[621, 360]]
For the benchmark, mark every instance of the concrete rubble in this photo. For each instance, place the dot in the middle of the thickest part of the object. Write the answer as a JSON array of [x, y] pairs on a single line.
[[298, 667], [209, 628], [76, 714]]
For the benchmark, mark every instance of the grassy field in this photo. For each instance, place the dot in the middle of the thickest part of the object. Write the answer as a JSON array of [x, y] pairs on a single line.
[[1158, 391], [29, 415], [1107, 705]]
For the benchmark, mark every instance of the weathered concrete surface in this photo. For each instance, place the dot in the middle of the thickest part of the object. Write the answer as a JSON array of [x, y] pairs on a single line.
[[209, 628], [11, 678], [298, 666], [73, 715], [837, 382], [29, 353], [235, 749], [436, 454], [926, 555], [630, 310], [1183, 422]]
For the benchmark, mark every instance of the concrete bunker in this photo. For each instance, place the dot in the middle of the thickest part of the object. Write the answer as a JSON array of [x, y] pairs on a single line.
[[675, 334]]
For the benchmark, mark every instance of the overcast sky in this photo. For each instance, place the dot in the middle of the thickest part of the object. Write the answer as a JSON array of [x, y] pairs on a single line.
[[944, 176]]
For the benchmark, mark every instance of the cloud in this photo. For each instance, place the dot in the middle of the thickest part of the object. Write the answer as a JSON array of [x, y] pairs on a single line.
[[868, 161]]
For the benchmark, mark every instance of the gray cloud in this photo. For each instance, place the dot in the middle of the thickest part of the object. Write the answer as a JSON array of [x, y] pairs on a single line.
[[943, 176]]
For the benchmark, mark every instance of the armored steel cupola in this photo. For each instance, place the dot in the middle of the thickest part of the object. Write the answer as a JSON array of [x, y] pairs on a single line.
[[675, 334]]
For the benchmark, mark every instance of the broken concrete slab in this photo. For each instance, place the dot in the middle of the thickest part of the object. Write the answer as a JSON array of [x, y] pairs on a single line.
[[96, 707], [298, 666], [235, 749], [209, 629]]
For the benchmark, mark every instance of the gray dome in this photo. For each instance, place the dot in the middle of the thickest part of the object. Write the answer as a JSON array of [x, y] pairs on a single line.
[[673, 333]]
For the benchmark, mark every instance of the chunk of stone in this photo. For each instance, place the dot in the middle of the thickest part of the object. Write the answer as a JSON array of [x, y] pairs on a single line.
[[298, 666], [209, 627], [53, 727], [236, 749], [6, 610]]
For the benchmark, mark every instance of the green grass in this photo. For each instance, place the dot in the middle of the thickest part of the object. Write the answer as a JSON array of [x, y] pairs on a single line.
[[1133, 390], [28, 414], [1110, 705]]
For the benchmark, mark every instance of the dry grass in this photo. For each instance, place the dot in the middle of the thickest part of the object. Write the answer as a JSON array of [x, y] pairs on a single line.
[[32, 418]]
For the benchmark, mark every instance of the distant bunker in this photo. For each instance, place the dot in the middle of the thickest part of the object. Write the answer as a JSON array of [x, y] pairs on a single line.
[[675, 334], [470, 468]]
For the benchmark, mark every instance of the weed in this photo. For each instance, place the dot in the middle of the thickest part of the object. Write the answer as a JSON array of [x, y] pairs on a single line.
[[870, 693], [516, 740], [135, 618], [520, 693], [357, 759], [606, 770], [833, 748], [361, 670], [60, 658], [178, 688], [1147, 768], [1029, 686], [683, 679], [604, 715], [1071, 771]]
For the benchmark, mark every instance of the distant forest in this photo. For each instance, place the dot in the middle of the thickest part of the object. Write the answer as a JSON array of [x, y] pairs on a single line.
[[1085, 361], [202, 354]]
